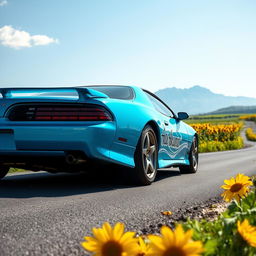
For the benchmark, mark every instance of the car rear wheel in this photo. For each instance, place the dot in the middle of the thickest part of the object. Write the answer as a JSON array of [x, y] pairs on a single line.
[[146, 156], [193, 159], [3, 171]]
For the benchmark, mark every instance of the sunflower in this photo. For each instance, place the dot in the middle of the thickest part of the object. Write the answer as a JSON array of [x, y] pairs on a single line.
[[236, 187], [108, 241], [247, 232], [175, 243]]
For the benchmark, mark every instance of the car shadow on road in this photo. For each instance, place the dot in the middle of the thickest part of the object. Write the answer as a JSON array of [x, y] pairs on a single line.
[[44, 184]]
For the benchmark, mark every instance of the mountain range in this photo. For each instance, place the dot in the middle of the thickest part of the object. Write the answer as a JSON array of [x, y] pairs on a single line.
[[234, 110], [199, 100]]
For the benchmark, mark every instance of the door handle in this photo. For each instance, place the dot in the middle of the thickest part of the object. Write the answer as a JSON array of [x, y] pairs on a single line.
[[166, 123]]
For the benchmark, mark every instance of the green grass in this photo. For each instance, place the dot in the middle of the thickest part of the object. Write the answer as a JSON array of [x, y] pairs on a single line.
[[214, 119], [218, 116]]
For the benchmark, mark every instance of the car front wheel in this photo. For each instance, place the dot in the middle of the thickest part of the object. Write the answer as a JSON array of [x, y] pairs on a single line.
[[193, 159]]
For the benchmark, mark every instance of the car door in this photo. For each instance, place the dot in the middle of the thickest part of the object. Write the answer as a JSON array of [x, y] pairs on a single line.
[[173, 145]]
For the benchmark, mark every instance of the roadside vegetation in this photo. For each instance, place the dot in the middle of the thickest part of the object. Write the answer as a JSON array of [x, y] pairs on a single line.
[[248, 117], [221, 132], [219, 137], [215, 119], [233, 233], [250, 135]]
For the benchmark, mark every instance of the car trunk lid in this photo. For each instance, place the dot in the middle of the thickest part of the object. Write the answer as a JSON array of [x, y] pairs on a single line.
[[11, 96]]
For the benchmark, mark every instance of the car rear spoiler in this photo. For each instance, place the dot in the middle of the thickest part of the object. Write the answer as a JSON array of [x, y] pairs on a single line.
[[70, 93]]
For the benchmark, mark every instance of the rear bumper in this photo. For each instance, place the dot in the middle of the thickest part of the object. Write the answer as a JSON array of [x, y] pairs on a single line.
[[24, 153], [42, 139]]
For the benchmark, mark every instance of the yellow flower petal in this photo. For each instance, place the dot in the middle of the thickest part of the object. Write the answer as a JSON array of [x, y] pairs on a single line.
[[118, 230], [156, 242], [89, 246], [247, 232], [168, 236], [107, 229], [99, 234]]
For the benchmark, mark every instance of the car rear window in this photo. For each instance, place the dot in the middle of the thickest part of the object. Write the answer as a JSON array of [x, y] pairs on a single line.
[[116, 92]]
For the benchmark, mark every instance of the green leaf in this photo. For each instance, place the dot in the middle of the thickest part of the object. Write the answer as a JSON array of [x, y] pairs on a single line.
[[210, 247]]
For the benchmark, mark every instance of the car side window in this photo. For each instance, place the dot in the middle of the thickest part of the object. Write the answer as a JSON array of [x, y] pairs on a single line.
[[159, 106]]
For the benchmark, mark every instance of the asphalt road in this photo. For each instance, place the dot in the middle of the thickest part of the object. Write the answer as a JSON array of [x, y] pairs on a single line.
[[46, 214]]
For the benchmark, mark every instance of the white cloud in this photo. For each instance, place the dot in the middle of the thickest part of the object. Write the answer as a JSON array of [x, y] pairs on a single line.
[[3, 2], [20, 39], [43, 40]]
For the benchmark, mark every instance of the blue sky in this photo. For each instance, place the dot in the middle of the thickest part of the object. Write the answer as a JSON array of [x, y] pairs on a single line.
[[150, 43]]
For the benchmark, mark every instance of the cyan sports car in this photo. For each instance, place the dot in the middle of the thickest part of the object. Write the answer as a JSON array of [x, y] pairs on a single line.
[[66, 129]]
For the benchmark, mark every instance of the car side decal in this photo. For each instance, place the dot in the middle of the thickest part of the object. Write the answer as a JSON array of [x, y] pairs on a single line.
[[172, 153], [171, 140], [173, 143]]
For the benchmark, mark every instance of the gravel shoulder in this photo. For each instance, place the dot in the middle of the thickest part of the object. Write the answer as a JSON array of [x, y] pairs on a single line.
[[209, 210]]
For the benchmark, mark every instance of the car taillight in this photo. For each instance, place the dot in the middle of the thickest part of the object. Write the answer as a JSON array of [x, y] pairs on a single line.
[[71, 114], [60, 113]]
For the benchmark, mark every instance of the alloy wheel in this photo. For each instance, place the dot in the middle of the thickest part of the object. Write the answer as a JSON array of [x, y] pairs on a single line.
[[149, 154], [195, 154]]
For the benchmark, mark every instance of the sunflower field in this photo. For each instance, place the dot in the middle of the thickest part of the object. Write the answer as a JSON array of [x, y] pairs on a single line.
[[232, 234], [218, 137], [248, 117]]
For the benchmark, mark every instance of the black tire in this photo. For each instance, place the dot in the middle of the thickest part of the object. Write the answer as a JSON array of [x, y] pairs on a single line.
[[146, 157], [3, 171], [193, 159]]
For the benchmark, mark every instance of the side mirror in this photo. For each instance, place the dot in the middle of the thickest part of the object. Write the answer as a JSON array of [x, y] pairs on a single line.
[[183, 115]]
